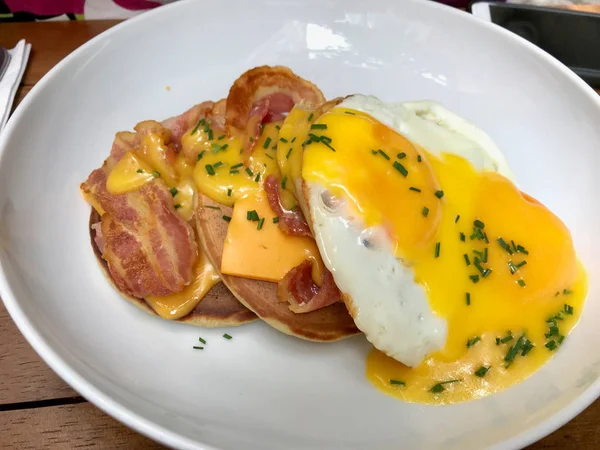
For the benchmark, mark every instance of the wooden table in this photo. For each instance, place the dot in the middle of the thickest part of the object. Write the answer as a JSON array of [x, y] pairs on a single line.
[[37, 409]]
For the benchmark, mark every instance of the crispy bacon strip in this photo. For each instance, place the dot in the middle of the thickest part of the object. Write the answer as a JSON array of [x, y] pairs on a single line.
[[303, 295], [149, 248], [292, 222], [266, 94]]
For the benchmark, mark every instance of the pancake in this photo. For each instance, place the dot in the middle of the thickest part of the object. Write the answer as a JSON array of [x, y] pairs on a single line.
[[218, 308], [327, 324]]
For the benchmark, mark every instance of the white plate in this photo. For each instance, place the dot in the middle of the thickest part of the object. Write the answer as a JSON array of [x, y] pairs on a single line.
[[264, 390]]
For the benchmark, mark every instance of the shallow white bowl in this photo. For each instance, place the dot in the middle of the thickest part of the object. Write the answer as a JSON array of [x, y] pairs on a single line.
[[264, 390]]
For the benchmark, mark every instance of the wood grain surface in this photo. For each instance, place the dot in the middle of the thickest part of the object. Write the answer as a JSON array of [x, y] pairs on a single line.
[[37, 409]]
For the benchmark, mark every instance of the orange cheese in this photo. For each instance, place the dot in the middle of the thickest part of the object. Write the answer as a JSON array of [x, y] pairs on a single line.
[[265, 253]]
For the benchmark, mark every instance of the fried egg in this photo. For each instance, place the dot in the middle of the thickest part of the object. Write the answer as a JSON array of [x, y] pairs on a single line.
[[446, 266]]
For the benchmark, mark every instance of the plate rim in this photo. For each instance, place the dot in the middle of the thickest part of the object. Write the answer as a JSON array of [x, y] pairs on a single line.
[[158, 432]]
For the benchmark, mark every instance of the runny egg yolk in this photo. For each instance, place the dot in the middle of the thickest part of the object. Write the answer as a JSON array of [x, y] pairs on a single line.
[[497, 265]]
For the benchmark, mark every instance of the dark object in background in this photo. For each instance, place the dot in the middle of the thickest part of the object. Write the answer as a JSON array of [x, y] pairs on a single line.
[[572, 37]]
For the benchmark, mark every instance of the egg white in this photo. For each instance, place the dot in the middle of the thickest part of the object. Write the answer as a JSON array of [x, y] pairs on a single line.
[[385, 301]]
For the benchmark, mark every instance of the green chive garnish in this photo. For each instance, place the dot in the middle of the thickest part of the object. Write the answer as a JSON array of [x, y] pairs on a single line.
[[228, 192], [198, 124], [457, 218], [257, 178], [173, 191], [227, 336], [284, 182], [414, 189], [522, 249], [217, 164], [260, 223], [482, 371], [318, 126], [267, 143], [437, 249], [567, 292], [201, 340], [425, 211], [196, 347], [397, 383], [177, 206], [221, 137], [249, 172], [226, 218], [384, 154], [209, 169], [439, 194], [310, 117], [400, 168], [275, 219], [474, 278], [232, 172], [139, 171], [293, 139], [568, 309], [401, 155], [468, 296], [237, 165], [436, 389], [284, 140], [462, 237], [287, 155], [551, 345], [252, 216], [521, 283], [467, 259], [473, 341], [213, 207], [419, 159], [349, 112], [155, 173]]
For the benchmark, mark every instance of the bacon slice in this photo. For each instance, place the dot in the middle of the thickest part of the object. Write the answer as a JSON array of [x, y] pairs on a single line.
[[150, 250], [181, 124], [303, 295], [265, 94], [291, 222]]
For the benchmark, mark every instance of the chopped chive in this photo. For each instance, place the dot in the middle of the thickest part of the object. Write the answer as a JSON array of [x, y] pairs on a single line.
[[419, 159], [482, 371], [287, 155], [318, 126], [139, 171], [275, 219], [506, 339], [284, 140], [349, 112], [462, 237], [257, 178], [374, 152], [479, 224], [485, 255], [249, 172], [467, 259], [568, 309], [237, 165], [401, 155], [173, 191], [177, 206], [217, 164], [567, 292], [155, 173], [268, 156], [527, 347], [553, 331], [310, 117], [234, 172], [521, 283], [284, 182], [439, 194], [400, 168], [196, 347], [551, 345], [209, 169], [437, 249], [397, 383], [468, 297], [293, 139], [473, 341], [560, 340], [512, 267], [497, 341], [226, 218], [474, 278], [201, 340], [220, 138], [425, 211], [504, 245], [384, 154], [485, 238], [200, 122], [210, 134], [260, 223], [513, 351], [437, 388], [457, 218], [227, 336], [522, 249], [229, 192], [414, 189], [213, 207], [251, 139], [277, 127], [267, 143], [486, 272], [252, 216]]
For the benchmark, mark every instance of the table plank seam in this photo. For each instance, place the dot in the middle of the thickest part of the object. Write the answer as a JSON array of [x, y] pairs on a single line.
[[42, 403]]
